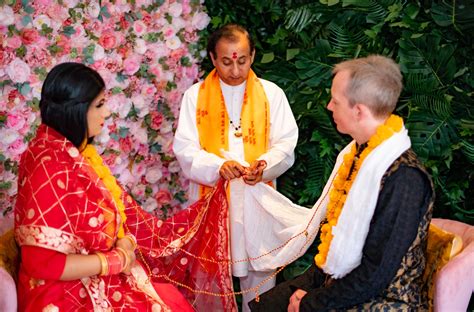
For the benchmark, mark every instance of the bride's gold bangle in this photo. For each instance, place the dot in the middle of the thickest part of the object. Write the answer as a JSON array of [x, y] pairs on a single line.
[[104, 265], [126, 257], [132, 239]]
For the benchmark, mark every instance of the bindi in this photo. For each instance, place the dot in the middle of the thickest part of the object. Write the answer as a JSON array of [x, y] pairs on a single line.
[[234, 55]]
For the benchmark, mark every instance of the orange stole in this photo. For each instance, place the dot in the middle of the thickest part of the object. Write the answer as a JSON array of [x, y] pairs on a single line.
[[212, 119]]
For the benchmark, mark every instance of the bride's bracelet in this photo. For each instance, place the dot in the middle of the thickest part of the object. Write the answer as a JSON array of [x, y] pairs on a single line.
[[132, 239], [111, 262], [104, 266], [114, 261], [125, 257]]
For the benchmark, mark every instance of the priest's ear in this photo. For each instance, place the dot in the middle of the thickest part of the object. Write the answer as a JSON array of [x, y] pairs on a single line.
[[252, 56], [213, 58]]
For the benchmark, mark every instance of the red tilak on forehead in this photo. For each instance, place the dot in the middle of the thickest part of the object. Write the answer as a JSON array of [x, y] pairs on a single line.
[[234, 55]]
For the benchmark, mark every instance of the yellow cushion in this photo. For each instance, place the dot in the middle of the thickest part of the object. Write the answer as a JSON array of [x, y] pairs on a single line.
[[9, 256], [442, 246]]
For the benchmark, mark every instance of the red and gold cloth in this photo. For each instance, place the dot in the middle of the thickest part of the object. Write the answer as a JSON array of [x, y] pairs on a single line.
[[63, 206]]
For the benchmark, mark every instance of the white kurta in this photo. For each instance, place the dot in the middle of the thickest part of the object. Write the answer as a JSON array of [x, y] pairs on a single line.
[[202, 167]]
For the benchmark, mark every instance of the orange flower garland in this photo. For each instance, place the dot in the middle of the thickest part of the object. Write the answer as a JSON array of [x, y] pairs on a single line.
[[343, 183], [97, 163]]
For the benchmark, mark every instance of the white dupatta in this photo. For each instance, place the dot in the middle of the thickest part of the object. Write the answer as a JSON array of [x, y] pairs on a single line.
[[283, 231]]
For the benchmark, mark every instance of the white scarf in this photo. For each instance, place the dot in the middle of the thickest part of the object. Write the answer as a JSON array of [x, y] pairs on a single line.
[[271, 220]]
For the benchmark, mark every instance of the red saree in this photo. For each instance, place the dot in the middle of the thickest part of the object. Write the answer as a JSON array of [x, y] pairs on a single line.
[[63, 206]]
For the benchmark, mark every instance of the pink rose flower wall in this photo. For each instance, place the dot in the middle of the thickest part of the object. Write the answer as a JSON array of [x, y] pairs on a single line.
[[148, 55]]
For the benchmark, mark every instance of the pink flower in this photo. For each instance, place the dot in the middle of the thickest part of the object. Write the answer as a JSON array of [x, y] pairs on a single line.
[[15, 121], [15, 97], [58, 12], [139, 28], [139, 190], [163, 197], [138, 170], [153, 175], [17, 148], [13, 42], [186, 7], [108, 40], [43, 3], [156, 120], [124, 24], [131, 65], [38, 57], [18, 71], [64, 43], [169, 31], [126, 145], [155, 70], [119, 51], [190, 35]]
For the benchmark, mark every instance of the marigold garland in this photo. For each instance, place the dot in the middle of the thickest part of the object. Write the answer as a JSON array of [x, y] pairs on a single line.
[[343, 183], [104, 173]]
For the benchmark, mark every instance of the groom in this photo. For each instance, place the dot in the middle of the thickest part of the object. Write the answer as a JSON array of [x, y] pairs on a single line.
[[371, 255]]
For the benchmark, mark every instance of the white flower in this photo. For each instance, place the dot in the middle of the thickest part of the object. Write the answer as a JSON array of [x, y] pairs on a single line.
[[150, 204], [8, 136], [179, 23], [153, 175], [36, 89], [7, 16], [126, 177], [175, 9], [138, 132], [124, 109], [140, 46], [174, 167], [166, 127], [18, 71], [40, 20], [200, 20], [93, 9], [103, 137], [99, 52], [173, 43], [138, 101], [71, 3]]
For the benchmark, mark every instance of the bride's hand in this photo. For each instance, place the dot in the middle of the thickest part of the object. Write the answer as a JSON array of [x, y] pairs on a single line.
[[126, 245]]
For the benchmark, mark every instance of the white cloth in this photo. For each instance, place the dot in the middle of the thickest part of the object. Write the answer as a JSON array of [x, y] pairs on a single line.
[[202, 167], [272, 220]]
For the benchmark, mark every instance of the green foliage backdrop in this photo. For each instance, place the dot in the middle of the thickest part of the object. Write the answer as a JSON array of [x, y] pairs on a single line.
[[298, 42]]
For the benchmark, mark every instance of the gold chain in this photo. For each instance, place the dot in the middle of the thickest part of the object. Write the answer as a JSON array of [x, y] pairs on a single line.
[[228, 261]]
